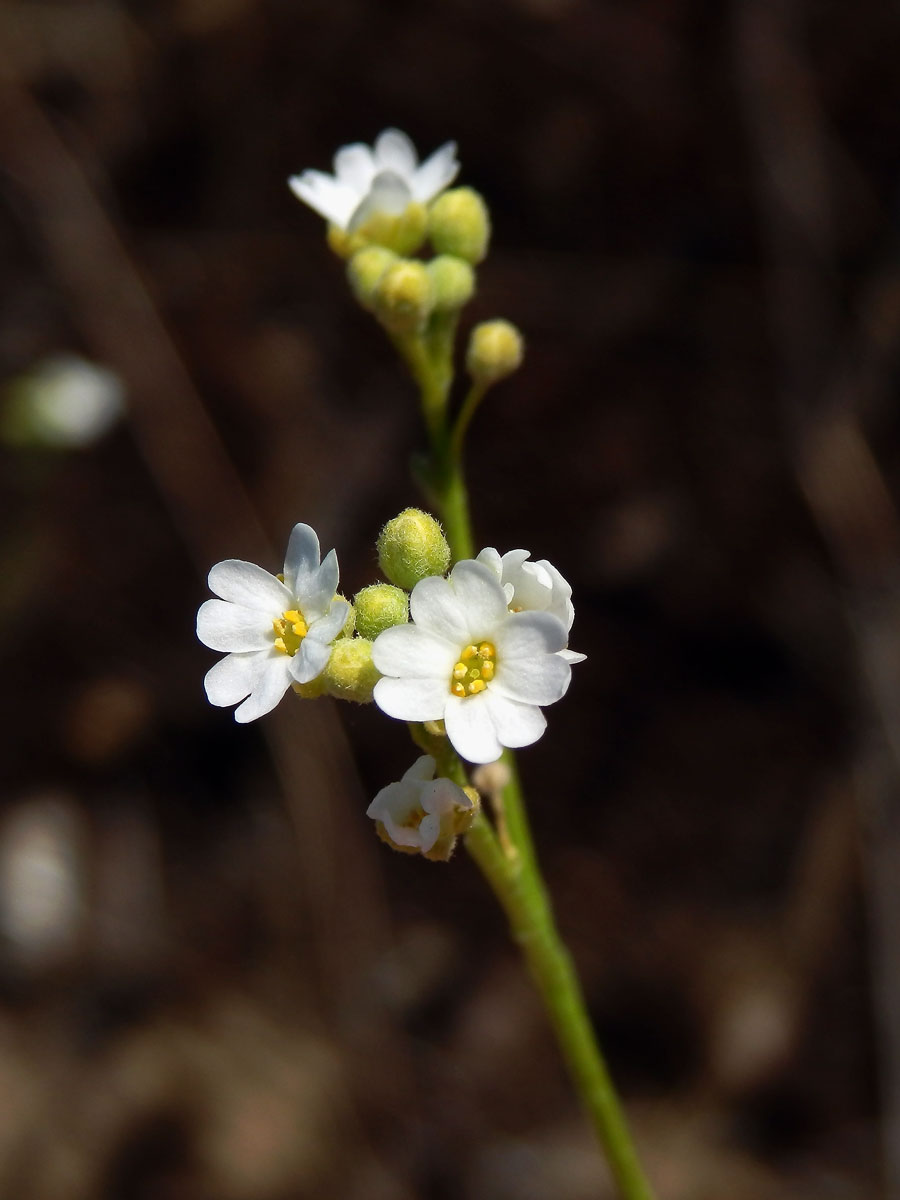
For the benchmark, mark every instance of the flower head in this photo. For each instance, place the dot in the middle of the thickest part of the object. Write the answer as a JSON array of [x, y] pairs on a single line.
[[385, 178], [466, 659], [533, 587], [276, 631], [421, 814]]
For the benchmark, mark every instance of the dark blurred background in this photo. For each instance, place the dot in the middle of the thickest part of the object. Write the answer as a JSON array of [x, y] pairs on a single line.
[[215, 984]]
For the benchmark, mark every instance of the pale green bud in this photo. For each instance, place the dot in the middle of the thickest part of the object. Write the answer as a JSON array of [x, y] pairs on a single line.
[[403, 234], [378, 607], [495, 350], [350, 623], [459, 223], [411, 547], [350, 673], [403, 298], [365, 269], [453, 281], [312, 690]]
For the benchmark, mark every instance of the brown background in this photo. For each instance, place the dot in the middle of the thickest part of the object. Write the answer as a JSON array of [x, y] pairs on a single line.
[[695, 209]]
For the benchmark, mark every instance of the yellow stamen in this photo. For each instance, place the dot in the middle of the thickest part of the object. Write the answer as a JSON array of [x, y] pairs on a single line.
[[290, 630], [474, 670]]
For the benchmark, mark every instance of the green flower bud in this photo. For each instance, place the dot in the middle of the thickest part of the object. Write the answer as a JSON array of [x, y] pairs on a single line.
[[459, 223], [495, 350], [378, 607], [312, 690], [350, 673], [403, 234], [453, 281], [411, 547], [403, 298], [365, 269]]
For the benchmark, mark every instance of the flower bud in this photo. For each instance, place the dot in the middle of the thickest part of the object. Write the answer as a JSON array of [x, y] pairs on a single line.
[[459, 223], [350, 673], [403, 233], [453, 281], [403, 298], [411, 547], [378, 607], [365, 269], [495, 350]]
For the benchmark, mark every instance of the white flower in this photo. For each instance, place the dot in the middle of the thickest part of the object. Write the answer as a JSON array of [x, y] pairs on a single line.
[[276, 633], [466, 659], [64, 401], [420, 813], [533, 587], [385, 178]]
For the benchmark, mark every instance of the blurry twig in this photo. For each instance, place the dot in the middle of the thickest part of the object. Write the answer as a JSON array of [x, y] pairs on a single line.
[[825, 391], [209, 506]]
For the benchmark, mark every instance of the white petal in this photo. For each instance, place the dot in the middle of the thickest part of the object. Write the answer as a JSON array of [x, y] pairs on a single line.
[[310, 660], [470, 728], [571, 656], [533, 586], [435, 173], [422, 770], [525, 634], [316, 593], [543, 679], [428, 831], [233, 678], [250, 586], [490, 557], [229, 627], [561, 604], [326, 628], [515, 724], [405, 651], [332, 200], [301, 561], [481, 597], [388, 194], [441, 796], [354, 166], [513, 559], [395, 152], [412, 699], [434, 606], [270, 687]]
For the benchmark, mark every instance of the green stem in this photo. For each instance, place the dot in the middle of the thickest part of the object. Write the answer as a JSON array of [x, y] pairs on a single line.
[[511, 868], [519, 888]]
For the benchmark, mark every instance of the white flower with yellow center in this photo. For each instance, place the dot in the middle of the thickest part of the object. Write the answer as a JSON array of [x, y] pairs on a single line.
[[533, 587], [385, 178], [467, 660], [421, 814], [276, 631]]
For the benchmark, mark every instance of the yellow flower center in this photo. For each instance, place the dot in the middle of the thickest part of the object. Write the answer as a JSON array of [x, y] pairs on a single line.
[[474, 671], [290, 630]]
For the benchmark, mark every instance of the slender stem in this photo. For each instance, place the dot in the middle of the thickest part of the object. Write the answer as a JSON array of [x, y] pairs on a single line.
[[521, 893], [511, 868], [466, 413]]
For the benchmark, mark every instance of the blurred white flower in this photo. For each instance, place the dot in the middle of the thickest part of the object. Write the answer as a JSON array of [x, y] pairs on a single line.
[[533, 587], [385, 178], [277, 631], [467, 660], [62, 401], [421, 814]]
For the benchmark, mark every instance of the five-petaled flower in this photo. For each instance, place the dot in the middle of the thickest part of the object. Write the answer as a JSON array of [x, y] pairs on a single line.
[[466, 659], [385, 178], [276, 631], [421, 814], [533, 587]]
